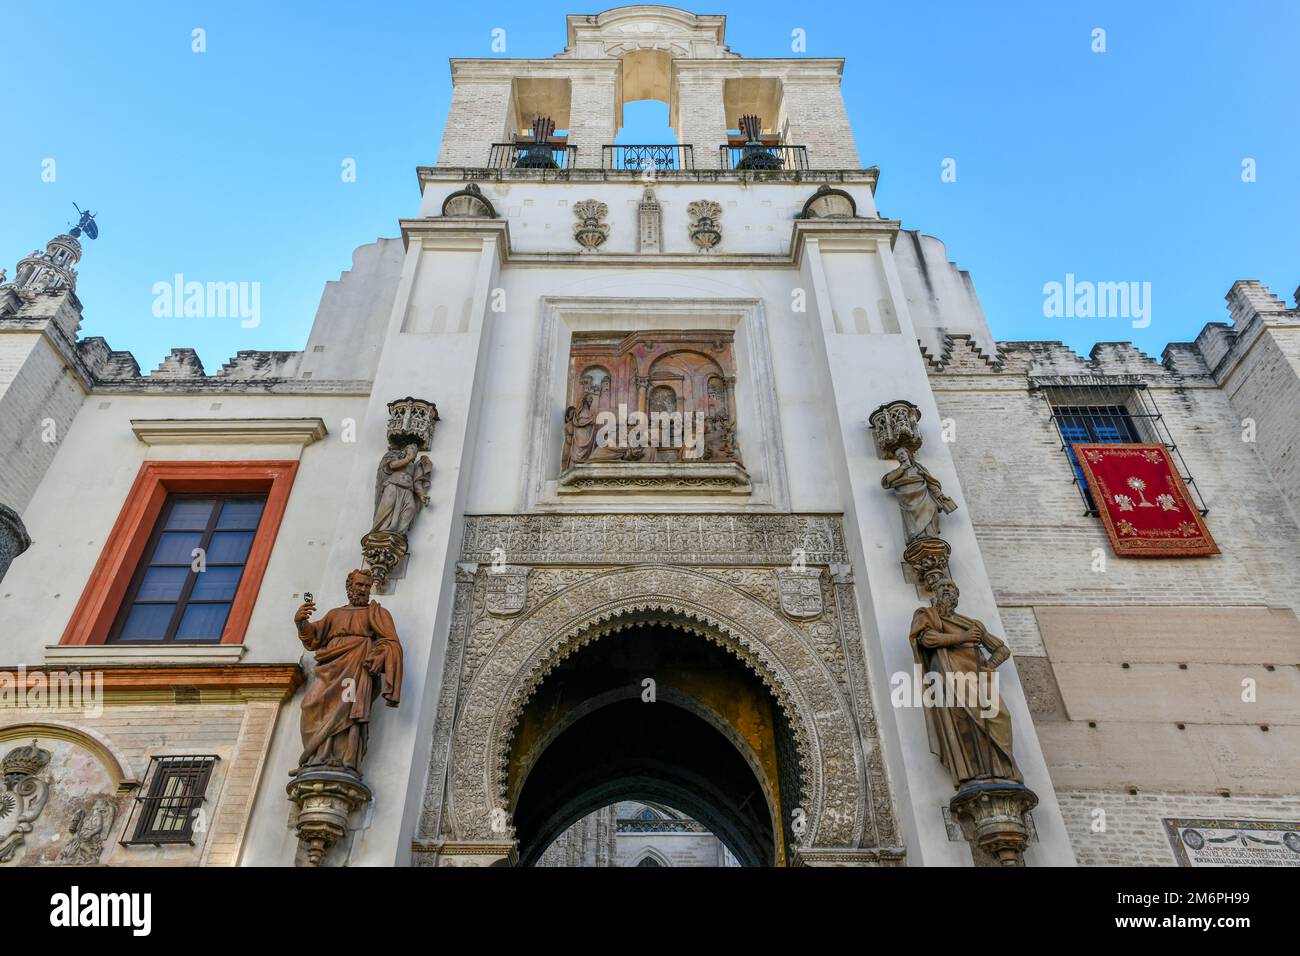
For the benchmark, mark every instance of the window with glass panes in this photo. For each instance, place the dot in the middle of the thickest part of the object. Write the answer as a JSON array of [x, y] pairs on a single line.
[[192, 565], [1093, 423]]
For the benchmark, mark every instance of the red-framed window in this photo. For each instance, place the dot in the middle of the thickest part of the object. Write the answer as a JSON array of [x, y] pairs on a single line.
[[140, 565]]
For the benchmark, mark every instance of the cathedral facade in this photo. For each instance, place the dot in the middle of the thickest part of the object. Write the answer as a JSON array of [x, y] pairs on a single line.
[[655, 503]]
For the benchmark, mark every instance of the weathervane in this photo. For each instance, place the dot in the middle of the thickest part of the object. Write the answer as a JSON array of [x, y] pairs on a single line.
[[85, 224]]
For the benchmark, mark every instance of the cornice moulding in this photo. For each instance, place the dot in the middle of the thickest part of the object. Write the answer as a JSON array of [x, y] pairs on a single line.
[[228, 431], [134, 654]]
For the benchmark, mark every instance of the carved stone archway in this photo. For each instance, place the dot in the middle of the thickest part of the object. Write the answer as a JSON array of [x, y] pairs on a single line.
[[494, 665]]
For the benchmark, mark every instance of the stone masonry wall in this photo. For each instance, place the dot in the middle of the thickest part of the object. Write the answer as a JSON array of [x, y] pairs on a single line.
[[1134, 834], [36, 390], [1138, 713], [476, 120]]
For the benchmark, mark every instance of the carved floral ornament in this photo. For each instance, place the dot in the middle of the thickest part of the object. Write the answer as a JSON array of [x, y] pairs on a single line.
[[706, 223], [590, 230]]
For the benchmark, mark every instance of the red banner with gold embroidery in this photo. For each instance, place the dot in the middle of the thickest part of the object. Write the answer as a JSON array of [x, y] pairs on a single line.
[[1143, 501]]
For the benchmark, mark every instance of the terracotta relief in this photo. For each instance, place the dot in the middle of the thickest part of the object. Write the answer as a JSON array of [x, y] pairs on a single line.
[[651, 397]]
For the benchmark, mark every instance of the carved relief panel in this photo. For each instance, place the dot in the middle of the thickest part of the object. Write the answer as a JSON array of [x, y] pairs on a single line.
[[652, 399]]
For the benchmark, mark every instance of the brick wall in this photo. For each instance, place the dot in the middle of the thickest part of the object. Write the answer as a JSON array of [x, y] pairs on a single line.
[[1148, 699], [1266, 387], [591, 118], [477, 118], [816, 118], [237, 732], [35, 385], [1134, 834], [700, 120]]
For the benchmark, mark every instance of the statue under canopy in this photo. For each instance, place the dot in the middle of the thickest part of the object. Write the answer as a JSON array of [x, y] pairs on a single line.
[[971, 736], [920, 495], [401, 488]]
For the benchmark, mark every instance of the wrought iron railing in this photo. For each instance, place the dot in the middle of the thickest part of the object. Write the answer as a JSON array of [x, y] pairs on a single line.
[[532, 156], [167, 808], [648, 157], [759, 158], [1095, 408]]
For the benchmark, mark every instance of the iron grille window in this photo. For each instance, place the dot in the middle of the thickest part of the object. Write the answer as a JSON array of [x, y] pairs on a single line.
[[1097, 409], [174, 789], [192, 565]]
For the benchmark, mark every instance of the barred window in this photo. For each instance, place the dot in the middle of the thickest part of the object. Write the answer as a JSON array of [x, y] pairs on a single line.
[[174, 791], [1119, 409]]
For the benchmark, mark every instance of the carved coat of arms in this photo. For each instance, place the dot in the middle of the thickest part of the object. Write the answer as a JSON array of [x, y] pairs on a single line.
[[801, 591], [507, 589], [22, 796]]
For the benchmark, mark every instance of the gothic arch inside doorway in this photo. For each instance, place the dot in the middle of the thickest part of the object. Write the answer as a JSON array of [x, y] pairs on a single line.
[[541, 718], [654, 711]]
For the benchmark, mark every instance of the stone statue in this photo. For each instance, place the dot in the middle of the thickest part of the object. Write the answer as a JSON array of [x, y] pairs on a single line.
[[919, 494], [401, 488], [971, 736], [580, 425], [358, 656], [90, 828]]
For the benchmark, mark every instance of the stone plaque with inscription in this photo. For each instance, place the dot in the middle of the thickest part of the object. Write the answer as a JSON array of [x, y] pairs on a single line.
[[1211, 842]]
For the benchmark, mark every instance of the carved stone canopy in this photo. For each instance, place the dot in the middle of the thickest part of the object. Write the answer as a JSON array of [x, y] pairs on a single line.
[[411, 420], [468, 203], [895, 425], [829, 203]]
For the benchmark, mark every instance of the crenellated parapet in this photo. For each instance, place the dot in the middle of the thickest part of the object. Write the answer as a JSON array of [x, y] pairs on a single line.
[[961, 356]]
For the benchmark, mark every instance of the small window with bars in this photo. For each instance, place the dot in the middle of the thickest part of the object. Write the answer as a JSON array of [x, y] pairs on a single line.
[[185, 584], [174, 790], [1121, 409]]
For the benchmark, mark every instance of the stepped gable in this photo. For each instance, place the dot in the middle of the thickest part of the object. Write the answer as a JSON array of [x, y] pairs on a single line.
[[961, 354]]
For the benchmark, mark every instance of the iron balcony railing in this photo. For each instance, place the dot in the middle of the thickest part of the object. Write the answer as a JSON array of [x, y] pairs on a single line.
[[759, 158], [648, 157], [532, 156]]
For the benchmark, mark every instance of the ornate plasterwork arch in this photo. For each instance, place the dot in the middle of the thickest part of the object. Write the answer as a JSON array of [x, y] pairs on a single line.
[[834, 773]]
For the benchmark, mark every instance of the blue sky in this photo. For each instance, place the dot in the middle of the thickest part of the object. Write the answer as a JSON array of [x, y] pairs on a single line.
[[225, 165]]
